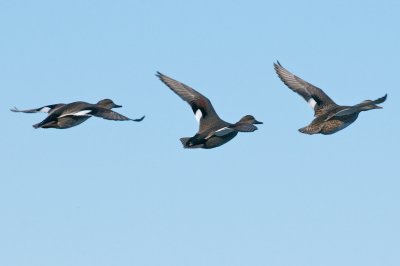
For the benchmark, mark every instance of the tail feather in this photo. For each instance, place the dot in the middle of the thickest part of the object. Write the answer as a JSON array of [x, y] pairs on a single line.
[[184, 141], [44, 124], [308, 130], [187, 145]]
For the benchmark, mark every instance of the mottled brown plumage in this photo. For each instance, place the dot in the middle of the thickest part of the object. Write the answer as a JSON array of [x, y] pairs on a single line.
[[329, 117]]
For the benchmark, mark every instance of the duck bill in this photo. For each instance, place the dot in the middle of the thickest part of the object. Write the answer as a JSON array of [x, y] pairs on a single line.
[[117, 106], [257, 122]]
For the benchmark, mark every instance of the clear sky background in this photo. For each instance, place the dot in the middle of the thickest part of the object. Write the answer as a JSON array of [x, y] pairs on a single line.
[[126, 193]]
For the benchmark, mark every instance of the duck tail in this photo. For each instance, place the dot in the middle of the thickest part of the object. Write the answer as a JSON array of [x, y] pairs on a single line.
[[185, 142], [308, 130], [36, 126], [43, 124]]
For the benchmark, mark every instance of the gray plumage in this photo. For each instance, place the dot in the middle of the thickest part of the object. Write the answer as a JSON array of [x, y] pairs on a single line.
[[213, 131], [63, 116]]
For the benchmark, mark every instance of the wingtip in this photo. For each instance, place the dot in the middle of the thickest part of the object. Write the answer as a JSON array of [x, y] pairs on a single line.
[[159, 74], [277, 64], [139, 119]]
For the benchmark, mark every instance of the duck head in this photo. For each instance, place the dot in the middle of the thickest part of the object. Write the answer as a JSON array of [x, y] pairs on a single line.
[[249, 119], [108, 104], [369, 104]]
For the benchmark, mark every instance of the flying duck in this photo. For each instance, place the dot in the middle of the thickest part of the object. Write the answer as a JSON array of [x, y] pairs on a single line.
[[213, 131], [329, 117], [63, 116]]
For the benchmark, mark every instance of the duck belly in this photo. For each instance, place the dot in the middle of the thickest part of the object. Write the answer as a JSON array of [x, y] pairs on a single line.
[[216, 141], [210, 143], [310, 129], [333, 126], [71, 121]]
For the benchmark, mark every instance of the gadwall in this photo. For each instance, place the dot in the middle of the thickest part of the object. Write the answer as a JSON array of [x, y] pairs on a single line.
[[329, 117], [63, 116], [213, 131]]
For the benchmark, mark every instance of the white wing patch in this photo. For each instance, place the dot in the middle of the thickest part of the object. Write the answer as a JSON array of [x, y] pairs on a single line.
[[312, 103], [45, 109], [220, 132], [347, 111], [198, 115], [223, 131], [80, 113]]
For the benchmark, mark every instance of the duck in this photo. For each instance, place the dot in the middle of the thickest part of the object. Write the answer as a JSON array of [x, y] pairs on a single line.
[[62, 116], [213, 131], [329, 116]]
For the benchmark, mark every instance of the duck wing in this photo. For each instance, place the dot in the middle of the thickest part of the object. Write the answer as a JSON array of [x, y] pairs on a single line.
[[201, 105], [44, 109], [87, 111], [356, 108], [63, 110], [238, 127], [315, 97], [107, 114]]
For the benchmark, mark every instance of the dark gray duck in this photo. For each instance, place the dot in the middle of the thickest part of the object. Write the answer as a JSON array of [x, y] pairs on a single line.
[[213, 131], [63, 116], [329, 117]]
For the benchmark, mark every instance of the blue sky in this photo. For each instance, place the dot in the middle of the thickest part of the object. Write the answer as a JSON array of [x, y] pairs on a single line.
[[125, 193]]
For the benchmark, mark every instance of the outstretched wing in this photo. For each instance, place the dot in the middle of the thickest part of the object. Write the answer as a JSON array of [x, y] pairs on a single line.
[[357, 108], [201, 105], [45, 109], [317, 99], [237, 127], [107, 114]]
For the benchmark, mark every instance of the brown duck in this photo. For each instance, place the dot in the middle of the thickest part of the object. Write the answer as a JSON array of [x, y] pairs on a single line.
[[329, 117]]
